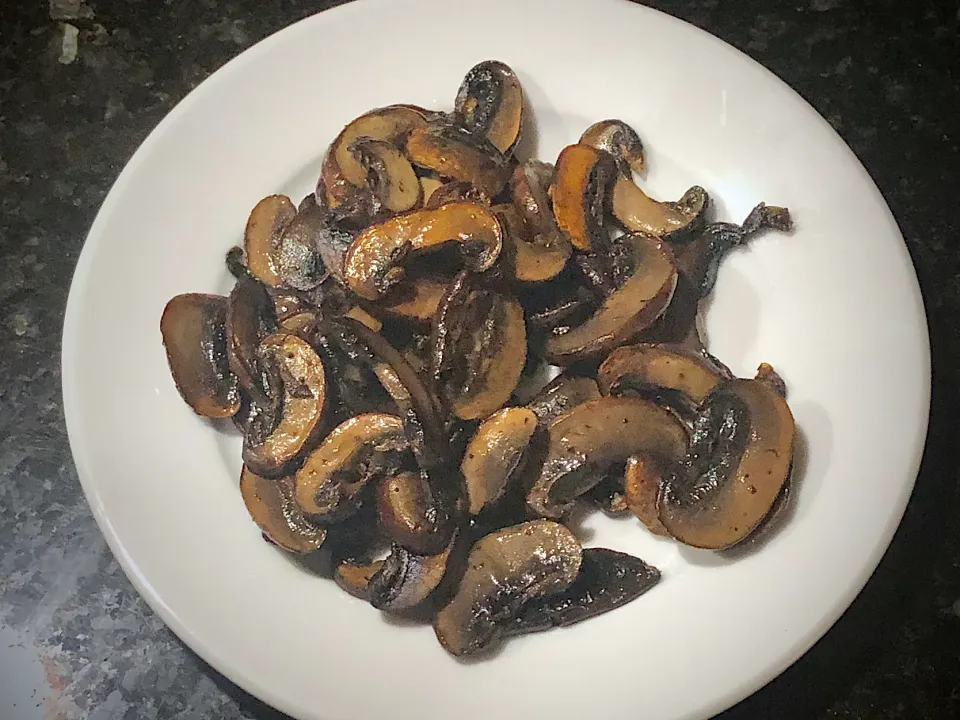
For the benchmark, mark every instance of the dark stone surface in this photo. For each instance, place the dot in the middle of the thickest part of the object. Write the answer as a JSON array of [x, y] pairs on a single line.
[[885, 73]]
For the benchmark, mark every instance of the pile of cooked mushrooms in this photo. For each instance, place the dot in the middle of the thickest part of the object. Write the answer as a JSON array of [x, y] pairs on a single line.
[[386, 351]]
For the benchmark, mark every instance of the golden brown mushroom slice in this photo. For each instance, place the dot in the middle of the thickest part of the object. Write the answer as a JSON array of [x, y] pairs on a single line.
[[739, 459], [355, 453], [343, 168], [262, 234], [411, 514], [669, 220], [453, 152], [581, 194], [490, 103], [563, 393], [670, 375], [620, 140], [273, 507], [456, 191], [641, 485], [390, 175], [354, 578], [373, 262], [635, 305], [540, 251], [301, 414], [193, 327], [406, 580], [495, 454], [415, 299], [506, 570], [585, 442]]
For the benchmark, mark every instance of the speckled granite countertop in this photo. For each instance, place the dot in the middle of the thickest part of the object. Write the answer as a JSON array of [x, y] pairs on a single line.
[[81, 85]]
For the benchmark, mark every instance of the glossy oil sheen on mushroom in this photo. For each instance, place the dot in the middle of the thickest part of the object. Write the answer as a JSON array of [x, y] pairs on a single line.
[[273, 507]]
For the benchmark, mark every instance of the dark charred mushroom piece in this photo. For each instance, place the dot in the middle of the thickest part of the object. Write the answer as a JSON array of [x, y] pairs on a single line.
[[635, 305], [415, 299], [494, 455], [250, 318], [373, 262], [453, 152], [596, 435], [607, 580], [672, 376], [490, 103], [273, 507], [390, 175], [193, 327], [582, 192], [619, 140], [407, 580], [556, 311], [642, 478], [303, 399], [563, 393], [740, 456], [262, 235], [668, 220], [297, 256], [411, 514], [506, 570]]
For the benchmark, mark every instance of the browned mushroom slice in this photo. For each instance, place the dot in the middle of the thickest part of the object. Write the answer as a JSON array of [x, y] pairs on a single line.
[[301, 324], [429, 184], [355, 453], [354, 577], [740, 457], [480, 350], [343, 168], [452, 152], [372, 264], [406, 580], [390, 175], [456, 191], [364, 318], [637, 211], [308, 249], [563, 393], [540, 249], [529, 258], [494, 455], [506, 570], [609, 495], [607, 580], [636, 304], [273, 507], [669, 375], [490, 103], [415, 299], [193, 327], [584, 443], [410, 514], [581, 194], [621, 141], [262, 235], [303, 400], [766, 373], [641, 484], [250, 318]]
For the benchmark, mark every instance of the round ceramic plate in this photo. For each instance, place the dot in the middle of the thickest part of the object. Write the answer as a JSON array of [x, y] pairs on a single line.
[[834, 307]]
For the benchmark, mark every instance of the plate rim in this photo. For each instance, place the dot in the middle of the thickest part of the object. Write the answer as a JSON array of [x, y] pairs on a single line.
[[70, 347]]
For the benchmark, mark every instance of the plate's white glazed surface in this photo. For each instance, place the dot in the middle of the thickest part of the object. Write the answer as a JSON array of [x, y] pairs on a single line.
[[835, 308]]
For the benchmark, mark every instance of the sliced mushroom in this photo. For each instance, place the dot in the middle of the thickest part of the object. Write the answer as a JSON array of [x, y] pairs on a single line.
[[563, 393], [364, 318], [273, 507], [480, 348], [415, 299], [372, 264], [636, 304], [453, 152], [354, 577], [304, 397], [740, 457], [262, 235], [669, 220], [529, 258], [411, 515], [456, 191], [641, 484], [250, 318], [390, 175], [429, 184], [621, 141], [193, 327], [343, 168], [297, 257], [673, 376], [539, 249], [581, 194], [494, 455], [406, 580], [766, 373], [585, 442], [607, 580], [506, 570], [490, 103], [609, 495], [355, 453]]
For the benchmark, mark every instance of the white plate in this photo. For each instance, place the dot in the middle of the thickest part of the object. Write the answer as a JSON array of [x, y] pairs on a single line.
[[835, 307]]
